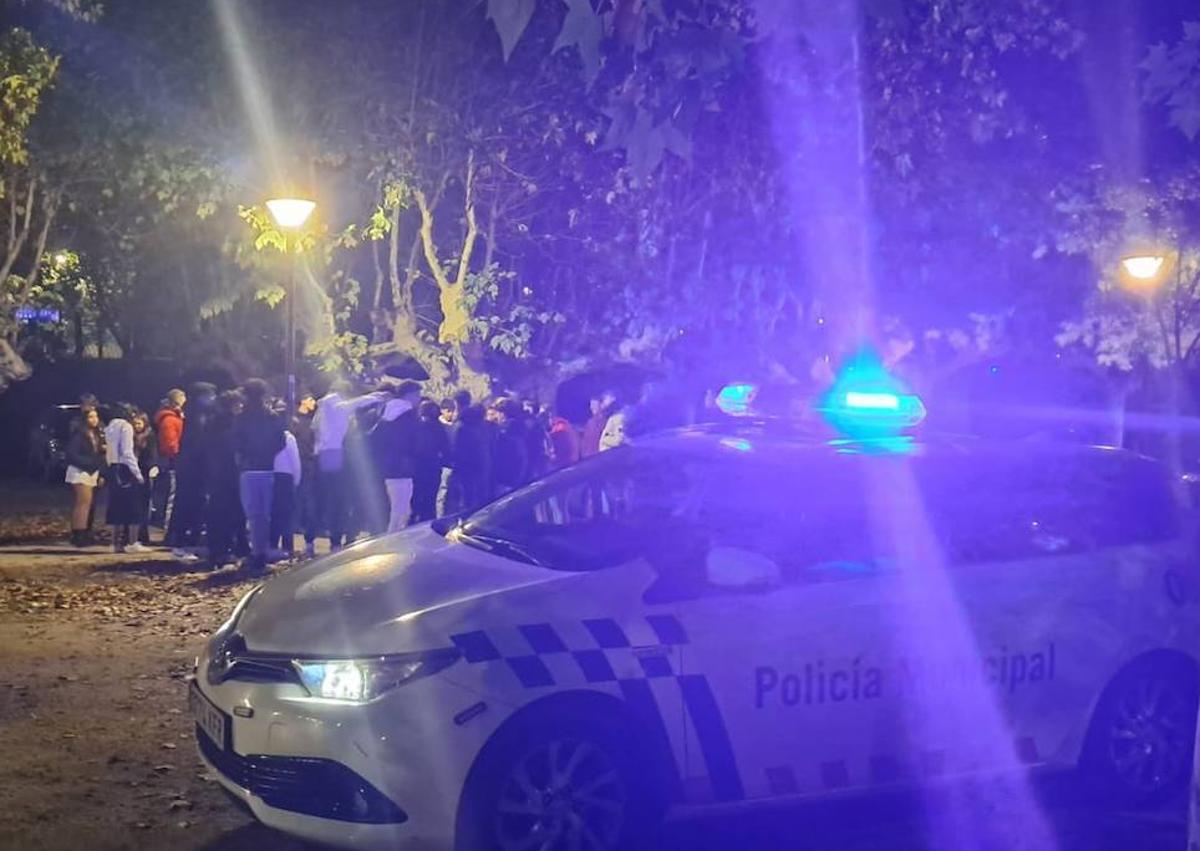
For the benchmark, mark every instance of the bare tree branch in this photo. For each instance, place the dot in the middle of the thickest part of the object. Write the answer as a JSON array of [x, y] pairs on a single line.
[[19, 243], [49, 212]]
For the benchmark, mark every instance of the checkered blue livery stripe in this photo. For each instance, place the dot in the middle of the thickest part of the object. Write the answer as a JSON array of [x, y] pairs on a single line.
[[539, 643], [542, 639]]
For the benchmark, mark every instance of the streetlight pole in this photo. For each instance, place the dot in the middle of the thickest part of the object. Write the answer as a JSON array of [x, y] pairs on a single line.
[[1147, 272], [290, 214], [289, 357]]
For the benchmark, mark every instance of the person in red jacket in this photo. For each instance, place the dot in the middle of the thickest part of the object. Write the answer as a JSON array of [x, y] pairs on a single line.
[[566, 443], [168, 426]]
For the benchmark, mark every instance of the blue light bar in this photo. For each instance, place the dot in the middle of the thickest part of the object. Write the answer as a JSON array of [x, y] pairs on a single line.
[[736, 399], [867, 402], [872, 401]]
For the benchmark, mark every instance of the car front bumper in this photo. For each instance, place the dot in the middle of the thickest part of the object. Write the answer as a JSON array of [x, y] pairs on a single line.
[[333, 832], [387, 774]]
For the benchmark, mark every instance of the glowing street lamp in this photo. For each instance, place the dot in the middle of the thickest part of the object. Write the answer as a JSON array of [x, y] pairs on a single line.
[[1144, 267], [290, 214]]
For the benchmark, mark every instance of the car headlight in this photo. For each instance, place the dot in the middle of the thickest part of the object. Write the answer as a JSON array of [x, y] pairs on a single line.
[[363, 680]]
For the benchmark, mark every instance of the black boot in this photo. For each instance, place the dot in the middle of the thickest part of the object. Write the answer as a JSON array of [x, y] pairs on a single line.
[[78, 538]]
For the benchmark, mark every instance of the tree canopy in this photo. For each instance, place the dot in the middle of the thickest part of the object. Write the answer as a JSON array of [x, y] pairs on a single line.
[[510, 190]]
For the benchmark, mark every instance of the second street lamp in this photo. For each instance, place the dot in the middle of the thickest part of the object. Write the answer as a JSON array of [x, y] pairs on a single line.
[[290, 214], [1143, 267]]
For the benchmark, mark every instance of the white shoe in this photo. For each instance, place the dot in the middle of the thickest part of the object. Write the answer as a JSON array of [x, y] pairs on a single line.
[[184, 556], [138, 547]]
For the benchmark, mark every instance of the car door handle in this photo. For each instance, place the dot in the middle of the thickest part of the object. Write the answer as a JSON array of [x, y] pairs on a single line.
[[650, 651]]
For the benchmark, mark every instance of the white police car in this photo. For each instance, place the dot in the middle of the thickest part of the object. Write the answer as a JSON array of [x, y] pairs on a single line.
[[714, 615]]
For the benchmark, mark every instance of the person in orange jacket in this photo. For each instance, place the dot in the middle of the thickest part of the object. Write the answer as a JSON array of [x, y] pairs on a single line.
[[168, 427]]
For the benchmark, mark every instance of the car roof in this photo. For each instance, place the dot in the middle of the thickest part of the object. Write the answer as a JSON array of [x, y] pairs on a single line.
[[797, 442]]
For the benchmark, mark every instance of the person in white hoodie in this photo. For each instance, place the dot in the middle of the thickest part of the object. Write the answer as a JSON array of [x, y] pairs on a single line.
[[330, 426], [288, 475], [124, 479]]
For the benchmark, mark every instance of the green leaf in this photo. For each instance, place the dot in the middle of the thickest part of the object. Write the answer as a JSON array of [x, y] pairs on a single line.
[[645, 146], [582, 29], [511, 18]]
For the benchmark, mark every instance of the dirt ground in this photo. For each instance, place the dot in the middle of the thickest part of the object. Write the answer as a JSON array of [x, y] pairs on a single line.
[[96, 748]]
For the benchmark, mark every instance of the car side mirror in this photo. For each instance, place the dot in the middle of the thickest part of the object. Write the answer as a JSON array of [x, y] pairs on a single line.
[[736, 568], [444, 524]]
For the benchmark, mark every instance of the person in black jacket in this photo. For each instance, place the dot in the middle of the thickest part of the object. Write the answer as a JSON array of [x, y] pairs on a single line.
[[257, 439], [431, 453], [393, 447], [471, 453], [188, 514], [145, 447], [511, 462], [226, 524], [308, 518], [85, 459]]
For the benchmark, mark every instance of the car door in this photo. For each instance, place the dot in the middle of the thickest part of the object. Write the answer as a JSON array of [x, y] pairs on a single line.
[[785, 668], [604, 520], [1046, 595]]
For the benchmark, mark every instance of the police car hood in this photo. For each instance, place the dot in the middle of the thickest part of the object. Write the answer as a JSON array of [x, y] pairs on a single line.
[[377, 596]]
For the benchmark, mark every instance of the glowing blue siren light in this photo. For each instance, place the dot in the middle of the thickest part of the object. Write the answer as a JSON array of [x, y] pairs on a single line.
[[867, 402], [736, 399], [872, 401]]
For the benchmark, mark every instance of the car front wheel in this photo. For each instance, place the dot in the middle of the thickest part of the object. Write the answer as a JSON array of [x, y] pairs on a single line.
[[564, 783]]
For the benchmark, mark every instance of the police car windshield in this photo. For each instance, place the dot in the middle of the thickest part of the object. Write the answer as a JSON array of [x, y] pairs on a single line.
[[600, 513]]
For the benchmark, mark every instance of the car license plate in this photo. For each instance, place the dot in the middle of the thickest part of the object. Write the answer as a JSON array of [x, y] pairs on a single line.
[[208, 718]]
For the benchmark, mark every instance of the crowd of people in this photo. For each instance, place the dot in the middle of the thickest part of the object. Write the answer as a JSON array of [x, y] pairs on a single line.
[[234, 475]]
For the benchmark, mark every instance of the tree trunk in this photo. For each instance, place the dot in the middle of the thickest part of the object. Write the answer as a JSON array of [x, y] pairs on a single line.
[[49, 211], [454, 331], [17, 237], [1173, 439]]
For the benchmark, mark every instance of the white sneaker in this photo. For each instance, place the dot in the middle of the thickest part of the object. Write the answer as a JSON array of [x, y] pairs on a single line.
[[138, 547], [185, 557]]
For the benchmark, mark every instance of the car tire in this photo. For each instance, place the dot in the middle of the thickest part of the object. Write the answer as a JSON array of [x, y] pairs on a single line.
[[572, 777], [1140, 743]]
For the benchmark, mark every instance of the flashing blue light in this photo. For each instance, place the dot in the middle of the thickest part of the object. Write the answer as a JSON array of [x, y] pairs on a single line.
[[872, 401], [866, 402], [736, 399]]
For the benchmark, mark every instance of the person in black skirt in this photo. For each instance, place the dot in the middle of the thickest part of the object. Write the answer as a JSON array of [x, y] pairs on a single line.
[[145, 447], [125, 480], [85, 463]]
